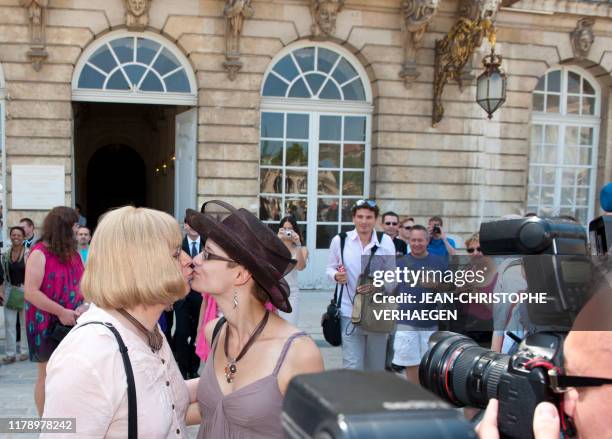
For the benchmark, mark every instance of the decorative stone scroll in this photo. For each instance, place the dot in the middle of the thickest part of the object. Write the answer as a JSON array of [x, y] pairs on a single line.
[[324, 14], [235, 12], [416, 16], [476, 10], [137, 14], [582, 37], [36, 20]]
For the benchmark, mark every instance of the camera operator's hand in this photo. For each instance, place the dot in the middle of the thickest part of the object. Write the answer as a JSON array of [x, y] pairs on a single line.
[[340, 277], [545, 422]]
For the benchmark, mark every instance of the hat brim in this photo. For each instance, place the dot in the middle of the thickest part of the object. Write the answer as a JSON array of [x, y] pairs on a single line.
[[229, 240]]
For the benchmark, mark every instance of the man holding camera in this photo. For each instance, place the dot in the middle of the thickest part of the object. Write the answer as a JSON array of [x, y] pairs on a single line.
[[439, 243], [587, 353]]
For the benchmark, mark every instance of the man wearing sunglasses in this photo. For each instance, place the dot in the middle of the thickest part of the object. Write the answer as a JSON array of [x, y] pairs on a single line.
[[439, 243], [406, 225], [586, 382], [390, 223]]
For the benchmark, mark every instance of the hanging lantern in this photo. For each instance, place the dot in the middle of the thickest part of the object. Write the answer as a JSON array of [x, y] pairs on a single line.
[[491, 85]]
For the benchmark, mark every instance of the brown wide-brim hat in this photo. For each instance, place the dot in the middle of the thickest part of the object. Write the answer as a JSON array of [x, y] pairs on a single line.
[[249, 242]]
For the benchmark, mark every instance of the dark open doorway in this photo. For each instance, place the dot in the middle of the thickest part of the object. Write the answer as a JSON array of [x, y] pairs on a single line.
[[116, 176]]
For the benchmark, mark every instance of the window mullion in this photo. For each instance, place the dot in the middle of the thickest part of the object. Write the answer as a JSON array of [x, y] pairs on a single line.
[[559, 178], [313, 172]]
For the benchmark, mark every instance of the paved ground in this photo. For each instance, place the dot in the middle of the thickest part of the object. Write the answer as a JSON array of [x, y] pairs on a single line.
[[17, 380]]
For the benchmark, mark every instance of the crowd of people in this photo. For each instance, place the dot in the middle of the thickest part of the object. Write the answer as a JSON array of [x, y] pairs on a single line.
[[220, 300]]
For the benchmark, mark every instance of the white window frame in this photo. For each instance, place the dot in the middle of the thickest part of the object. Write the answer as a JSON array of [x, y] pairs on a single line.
[[315, 108], [134, 96], [562, 120]]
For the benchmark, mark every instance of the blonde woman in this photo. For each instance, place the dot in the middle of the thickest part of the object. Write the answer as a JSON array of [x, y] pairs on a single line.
[[135, 269]]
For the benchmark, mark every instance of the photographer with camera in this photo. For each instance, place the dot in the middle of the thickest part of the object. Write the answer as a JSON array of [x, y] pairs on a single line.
[[439, 243], [290, 234], [587, 401]]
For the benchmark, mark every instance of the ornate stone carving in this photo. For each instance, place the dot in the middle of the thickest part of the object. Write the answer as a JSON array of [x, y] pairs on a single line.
[[416, 16], [453, 52], [36, 19], [137, 14], [582, 37], [235, 12], [324, 14]]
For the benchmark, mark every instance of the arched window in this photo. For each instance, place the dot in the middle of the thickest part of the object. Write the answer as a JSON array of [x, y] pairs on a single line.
[[564, 137], [3, 192], [134, 67], [315, 139]]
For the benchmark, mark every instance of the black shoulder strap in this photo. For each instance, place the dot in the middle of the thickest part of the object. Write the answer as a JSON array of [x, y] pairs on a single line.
[[217, 328], [379, 235], [338, 301], [129, 373]]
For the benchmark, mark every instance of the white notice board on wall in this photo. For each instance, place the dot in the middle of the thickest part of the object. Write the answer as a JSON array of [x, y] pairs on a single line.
[[39, 187]]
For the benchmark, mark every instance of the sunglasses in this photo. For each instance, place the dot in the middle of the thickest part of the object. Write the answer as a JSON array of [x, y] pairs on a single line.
[[390, 223], [208, 256], [407, 227], [472, 250], [370, 203]]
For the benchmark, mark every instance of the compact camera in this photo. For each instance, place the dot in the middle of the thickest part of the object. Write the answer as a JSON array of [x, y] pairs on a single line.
[[288, 233], [457, 369]]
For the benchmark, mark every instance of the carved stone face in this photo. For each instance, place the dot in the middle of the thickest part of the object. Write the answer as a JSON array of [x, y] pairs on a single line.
[[488, 8], [585, 40], [137, 7], [326, 12]]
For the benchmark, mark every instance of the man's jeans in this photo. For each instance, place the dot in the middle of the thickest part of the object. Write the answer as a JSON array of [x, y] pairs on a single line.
[[362, 350], [10, 323]]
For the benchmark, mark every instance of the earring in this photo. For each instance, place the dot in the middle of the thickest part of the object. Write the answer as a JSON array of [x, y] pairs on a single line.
[[235, 299]]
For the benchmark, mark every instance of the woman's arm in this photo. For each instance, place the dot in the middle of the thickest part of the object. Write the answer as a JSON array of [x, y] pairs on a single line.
[[303, 357], [193, 415], [34, 274], [302, 258]]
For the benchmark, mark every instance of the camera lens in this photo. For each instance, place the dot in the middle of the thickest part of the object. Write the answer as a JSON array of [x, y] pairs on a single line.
[[461, 372]]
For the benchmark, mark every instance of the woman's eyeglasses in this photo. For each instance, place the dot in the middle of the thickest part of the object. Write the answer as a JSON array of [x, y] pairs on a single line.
[[370, 203], [208, 256], [472, 250]]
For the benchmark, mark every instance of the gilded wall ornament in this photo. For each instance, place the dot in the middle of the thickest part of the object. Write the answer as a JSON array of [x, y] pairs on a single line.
[[324, 14], [235, 12], [36, 19], [416, 16], [137, 14], [452, 54], [582, 37]]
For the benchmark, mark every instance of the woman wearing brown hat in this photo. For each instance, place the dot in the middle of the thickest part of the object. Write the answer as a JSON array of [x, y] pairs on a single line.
[[255, 353]]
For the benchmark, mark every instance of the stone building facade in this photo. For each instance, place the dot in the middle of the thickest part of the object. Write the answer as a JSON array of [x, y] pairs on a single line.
[[304, 106]]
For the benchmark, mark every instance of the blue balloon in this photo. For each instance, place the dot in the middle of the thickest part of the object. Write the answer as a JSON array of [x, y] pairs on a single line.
[[605, 197]]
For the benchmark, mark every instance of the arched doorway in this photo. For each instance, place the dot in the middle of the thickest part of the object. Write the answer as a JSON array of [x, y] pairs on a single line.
[[116, 176], [136, 89]]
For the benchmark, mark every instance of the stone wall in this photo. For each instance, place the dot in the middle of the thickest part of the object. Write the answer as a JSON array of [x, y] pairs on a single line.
[[466, 169]]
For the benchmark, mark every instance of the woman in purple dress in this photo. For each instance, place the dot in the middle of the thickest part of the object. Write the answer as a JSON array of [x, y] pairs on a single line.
[[53, 296]]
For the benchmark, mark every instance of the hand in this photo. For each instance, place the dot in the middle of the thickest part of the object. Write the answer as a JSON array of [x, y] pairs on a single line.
[[340, 277], [68, 317], [442, 233], [81, 309], [545, 422], [365, 289], [295, 238]]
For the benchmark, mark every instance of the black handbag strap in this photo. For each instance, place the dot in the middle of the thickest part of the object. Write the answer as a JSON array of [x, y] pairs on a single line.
[[129, 373], [342, 236]]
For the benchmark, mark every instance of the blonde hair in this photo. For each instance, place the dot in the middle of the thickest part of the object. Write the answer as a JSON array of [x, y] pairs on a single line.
[[130, 260], [474, 238]]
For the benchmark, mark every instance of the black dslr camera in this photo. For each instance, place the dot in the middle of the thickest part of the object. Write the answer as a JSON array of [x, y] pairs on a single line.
[[457, 369]]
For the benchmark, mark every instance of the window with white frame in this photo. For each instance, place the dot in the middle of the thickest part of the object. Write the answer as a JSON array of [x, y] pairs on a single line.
[[141, 66], [314, 141], [564, 137]]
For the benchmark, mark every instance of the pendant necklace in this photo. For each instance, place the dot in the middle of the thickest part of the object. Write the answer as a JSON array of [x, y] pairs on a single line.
[[230, 369], [154, 338]]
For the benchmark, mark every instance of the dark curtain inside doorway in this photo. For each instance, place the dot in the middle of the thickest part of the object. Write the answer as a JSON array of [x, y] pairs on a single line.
[[115, 177]]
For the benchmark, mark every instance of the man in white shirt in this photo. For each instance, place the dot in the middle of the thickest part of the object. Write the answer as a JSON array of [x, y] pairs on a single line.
[[361, 350]]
